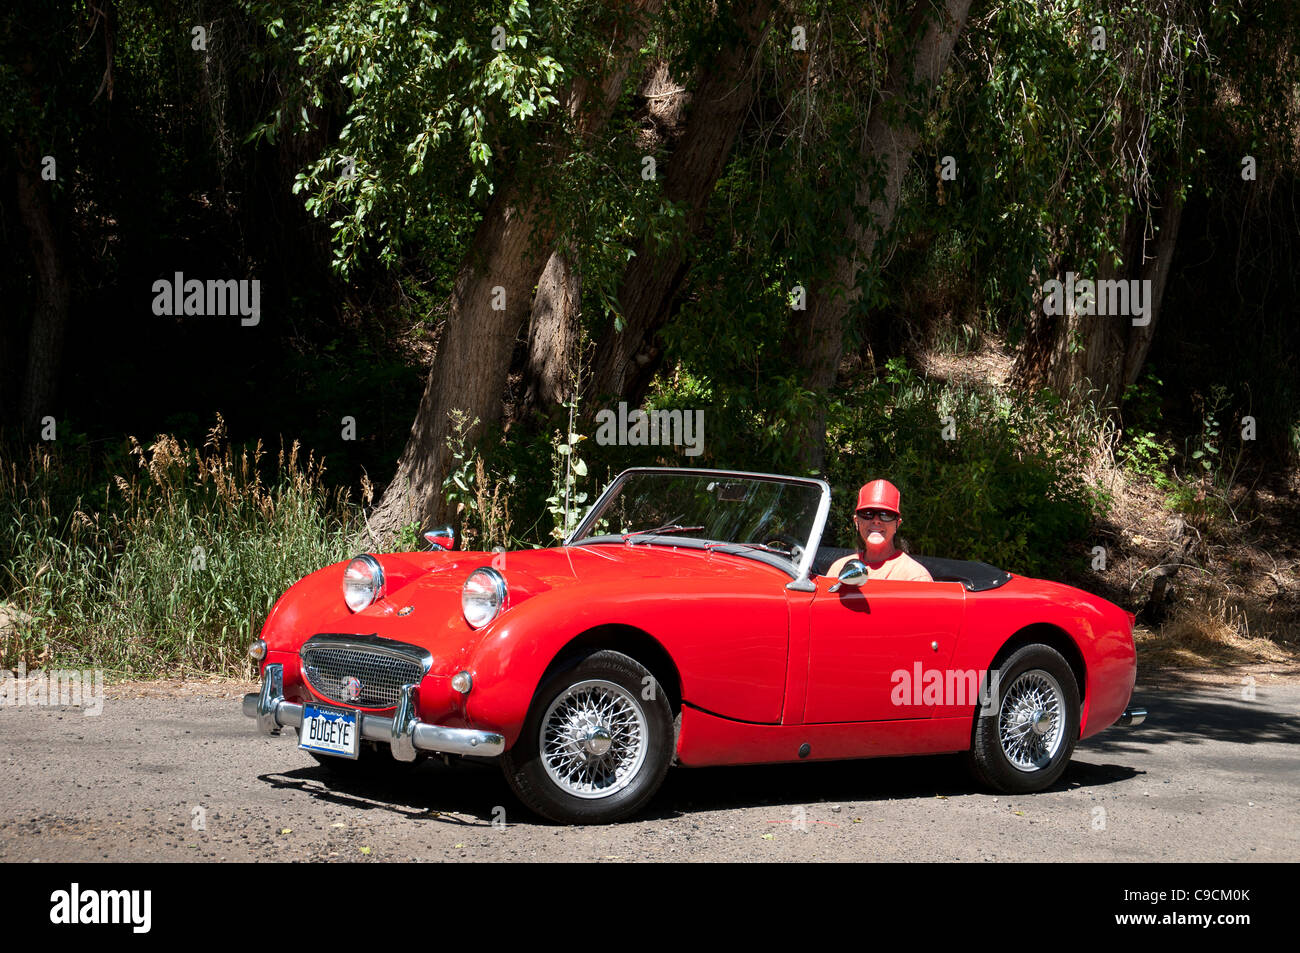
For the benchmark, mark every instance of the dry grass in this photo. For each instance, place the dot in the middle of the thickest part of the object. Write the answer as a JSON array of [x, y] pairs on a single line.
[[172, 568], [1236, 603], [1217, 634], [214, 686], [1207, 644], [988, 366]]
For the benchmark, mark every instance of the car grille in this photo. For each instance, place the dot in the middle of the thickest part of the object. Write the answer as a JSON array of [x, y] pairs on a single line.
[[382, 676]]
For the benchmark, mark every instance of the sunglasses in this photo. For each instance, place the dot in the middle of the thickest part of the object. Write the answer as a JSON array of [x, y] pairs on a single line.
[[883, 515]]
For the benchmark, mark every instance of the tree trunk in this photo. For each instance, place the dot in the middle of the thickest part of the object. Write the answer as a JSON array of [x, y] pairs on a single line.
[[1096, 356], [1033, 364], [887, 145], [490, 300], [1156, 270], [1087, 353], [52, 297], [553, 336], [624, 361]]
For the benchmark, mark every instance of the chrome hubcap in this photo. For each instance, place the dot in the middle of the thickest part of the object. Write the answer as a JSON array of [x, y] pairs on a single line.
[[1040, 722], [596, 741], [1031, 721], [593, 739]]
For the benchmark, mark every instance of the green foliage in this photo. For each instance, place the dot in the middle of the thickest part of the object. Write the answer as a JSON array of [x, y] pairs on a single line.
[[1008, 489], [408, 538], [567, 503], [171, 570], [1197, 482], [1143, 451], [437, 98], [1057, 140], [540, 484], [457, 485], [1209, 446], [1146, 454], [1205, 489], [480, 494]]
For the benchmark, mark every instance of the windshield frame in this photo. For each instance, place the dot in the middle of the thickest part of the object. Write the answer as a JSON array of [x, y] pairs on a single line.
[[801, 581]]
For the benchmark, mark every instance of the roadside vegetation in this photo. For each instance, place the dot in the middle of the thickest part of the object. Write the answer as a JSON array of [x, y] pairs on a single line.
[[170, 568]]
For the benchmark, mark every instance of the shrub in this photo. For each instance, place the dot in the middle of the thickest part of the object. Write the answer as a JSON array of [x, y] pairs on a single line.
[[1007, 487], [176, 566]]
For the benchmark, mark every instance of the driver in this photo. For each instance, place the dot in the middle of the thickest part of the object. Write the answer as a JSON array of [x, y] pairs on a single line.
[[878, 519]]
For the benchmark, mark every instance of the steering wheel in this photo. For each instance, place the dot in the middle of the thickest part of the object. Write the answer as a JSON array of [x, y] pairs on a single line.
[[784, 541]]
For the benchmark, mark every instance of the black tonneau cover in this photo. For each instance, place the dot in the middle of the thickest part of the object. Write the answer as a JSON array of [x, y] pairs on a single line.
[[975, 576]]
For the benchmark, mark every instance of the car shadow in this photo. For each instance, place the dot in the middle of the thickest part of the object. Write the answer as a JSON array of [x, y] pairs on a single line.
[[474, 794], [428, 791], [691, 790], [1197, 717]]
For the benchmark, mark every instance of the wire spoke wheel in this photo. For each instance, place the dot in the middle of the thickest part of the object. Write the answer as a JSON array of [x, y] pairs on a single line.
[[1024, 744], [593, 739], [1030, 720], [597, 742]]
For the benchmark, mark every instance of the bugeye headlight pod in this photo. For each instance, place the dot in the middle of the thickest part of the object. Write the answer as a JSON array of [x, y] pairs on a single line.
[[483, 596], [363, 582]]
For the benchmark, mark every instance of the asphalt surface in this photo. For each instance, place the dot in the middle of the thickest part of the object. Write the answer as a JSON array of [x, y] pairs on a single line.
[[1211, 776]]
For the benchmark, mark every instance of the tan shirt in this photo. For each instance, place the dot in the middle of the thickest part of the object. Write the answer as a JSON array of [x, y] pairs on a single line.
[[899, 567]]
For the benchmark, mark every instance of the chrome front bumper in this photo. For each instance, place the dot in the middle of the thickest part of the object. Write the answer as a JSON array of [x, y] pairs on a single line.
[[404, 731]]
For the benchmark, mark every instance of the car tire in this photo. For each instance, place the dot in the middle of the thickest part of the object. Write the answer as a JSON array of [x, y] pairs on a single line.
[[596, 744], [1024, 741]]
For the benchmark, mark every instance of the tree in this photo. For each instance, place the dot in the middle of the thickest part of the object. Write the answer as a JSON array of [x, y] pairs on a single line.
[[482, 66], [626, 356], [554, 325], [890, 137], [50, 96], [1078, 349]]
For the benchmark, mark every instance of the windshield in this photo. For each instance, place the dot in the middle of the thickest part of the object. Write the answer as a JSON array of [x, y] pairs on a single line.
[[737, 512]]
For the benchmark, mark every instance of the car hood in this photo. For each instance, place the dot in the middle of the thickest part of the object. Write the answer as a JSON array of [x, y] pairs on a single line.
[[421, 605]]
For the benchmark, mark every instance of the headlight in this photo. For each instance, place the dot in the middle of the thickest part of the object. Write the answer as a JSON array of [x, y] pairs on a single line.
[[483, 596], [363, 582]]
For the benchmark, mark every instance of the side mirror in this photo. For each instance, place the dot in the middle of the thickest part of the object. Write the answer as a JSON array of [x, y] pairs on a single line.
[[443, 538], [853, 574]]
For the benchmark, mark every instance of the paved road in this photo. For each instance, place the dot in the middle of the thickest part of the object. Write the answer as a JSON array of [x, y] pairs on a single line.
[[1209, 777]]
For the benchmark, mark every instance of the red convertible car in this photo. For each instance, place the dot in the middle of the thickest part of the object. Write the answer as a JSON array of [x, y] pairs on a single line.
[[686, 620]]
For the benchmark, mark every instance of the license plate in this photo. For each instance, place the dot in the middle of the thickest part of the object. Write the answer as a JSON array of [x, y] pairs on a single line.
[[329, 731]]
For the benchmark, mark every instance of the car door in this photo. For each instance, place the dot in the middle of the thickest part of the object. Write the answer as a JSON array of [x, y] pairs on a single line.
[[869, 645]]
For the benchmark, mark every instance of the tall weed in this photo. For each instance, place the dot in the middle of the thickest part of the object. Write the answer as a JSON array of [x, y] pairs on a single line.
[[170, 569]]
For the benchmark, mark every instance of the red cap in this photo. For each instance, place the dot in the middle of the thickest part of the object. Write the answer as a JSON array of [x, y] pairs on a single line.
[[879, 495]]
